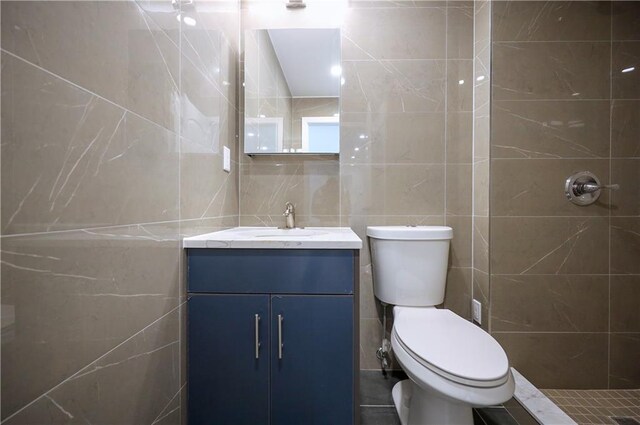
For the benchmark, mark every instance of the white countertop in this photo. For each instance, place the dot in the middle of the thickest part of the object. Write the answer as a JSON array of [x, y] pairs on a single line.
[[274, 238]]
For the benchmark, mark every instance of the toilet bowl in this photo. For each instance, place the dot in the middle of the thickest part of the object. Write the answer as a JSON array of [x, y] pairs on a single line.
[[452, 364]]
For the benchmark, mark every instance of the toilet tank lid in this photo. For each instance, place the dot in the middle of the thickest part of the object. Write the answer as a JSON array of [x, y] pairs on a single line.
[[418, 233]]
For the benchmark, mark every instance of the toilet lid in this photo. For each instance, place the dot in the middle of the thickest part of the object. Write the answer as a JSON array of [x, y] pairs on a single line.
[[451, 346]]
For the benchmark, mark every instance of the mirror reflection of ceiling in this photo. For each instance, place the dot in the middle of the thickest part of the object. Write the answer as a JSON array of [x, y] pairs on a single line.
[[310, 72]]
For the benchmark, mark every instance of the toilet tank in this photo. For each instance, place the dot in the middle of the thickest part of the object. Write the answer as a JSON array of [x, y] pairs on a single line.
[[410, 263]]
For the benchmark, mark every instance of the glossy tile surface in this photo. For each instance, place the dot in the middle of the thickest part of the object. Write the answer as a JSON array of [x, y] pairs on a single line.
[[551, 21], [311, 186], [479, 158], [120, 377], [539, 356], [399, 33], [625, 66], [76, 295], [417, 138], [549, 245], [83, 155], [564, 100], [534, 187], [394, 86], [625, 129], [551, 129], [625, 371], [553, 303], [550, 70], [114, 116], [625, 303], [113, 49]]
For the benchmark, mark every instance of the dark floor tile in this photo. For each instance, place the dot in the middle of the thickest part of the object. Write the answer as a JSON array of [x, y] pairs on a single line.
[[512, 402], [521, 416], [519, 413], [377, 404], [496, 416], [477, 419], [379, 416], [626, 421], [375, 388]]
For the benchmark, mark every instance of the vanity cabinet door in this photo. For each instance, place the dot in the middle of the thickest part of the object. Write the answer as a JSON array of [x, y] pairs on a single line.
[[227, 384], [312, 372]]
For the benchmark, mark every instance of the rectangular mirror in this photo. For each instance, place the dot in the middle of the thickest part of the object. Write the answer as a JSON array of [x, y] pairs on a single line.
[[292, 80]]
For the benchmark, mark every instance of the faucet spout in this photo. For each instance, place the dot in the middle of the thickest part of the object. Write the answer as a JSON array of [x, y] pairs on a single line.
[[290, 214]]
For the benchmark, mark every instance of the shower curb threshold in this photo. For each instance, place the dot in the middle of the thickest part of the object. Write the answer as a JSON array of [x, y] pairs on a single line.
[[537, 404]]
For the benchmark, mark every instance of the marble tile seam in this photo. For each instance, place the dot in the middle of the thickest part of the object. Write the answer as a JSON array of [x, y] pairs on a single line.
[[75, 374], [111, 102], [86, 90], [117, 226]]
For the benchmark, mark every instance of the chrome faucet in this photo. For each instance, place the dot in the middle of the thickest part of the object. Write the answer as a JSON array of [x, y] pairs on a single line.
[[290, 214]]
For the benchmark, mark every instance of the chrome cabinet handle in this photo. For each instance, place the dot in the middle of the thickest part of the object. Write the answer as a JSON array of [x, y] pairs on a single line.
[[257, 323], [280, 320]]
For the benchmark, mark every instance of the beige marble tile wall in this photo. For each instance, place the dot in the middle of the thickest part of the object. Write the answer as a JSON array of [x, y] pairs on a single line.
[[114, 115], [406, 146], [624, 237], [565, 293], [481, 142]]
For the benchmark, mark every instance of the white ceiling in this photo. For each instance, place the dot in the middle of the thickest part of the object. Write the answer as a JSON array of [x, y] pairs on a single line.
[[306, 57]]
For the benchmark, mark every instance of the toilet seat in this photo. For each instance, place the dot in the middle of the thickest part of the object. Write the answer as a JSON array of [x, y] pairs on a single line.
[[451, 346]]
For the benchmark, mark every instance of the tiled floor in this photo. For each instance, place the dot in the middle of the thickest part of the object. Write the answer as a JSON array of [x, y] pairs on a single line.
[[376, 405], [615, 407]]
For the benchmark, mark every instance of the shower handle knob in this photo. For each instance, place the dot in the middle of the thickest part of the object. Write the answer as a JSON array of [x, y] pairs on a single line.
[[591, 187], [584, 188]]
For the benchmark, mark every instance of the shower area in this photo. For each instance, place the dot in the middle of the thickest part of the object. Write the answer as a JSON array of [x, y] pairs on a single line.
[[560, 282]]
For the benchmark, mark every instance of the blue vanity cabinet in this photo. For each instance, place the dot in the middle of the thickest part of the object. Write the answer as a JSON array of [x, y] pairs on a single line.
[[312, 373], [305, 373], [227, 377]]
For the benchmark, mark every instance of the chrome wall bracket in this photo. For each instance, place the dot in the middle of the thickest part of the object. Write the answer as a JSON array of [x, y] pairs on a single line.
[[584, 188]]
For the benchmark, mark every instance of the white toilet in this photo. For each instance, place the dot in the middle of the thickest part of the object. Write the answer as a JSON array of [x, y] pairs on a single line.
[[452, 364]]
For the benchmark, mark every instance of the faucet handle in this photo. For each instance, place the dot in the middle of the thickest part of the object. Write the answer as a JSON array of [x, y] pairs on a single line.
[[288, 209], [290, 213]]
